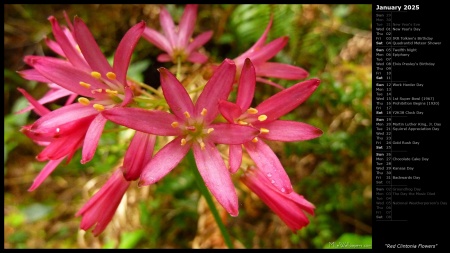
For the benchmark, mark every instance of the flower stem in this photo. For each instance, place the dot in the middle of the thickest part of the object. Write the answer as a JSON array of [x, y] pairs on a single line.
[[205, 192], [178, 68]]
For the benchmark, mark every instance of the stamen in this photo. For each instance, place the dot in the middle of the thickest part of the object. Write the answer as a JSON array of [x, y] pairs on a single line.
[[202, 145], [85, 85], [111, 92], [210, 130], [243, 123], [252, 110], [78, 48], [83, 101], [191, 128], [255, 139], [183, 142], [98, 107], [96, 90], [262, 117], [111, 76], [96, 74], [174, 124], [187, 115], [263, 130], [204, 111]]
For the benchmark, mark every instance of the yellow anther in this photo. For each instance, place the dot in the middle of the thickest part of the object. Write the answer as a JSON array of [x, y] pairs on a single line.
[[202, 145], [174, 124], [255, 139], [111, 92], [210, 130], [111, 76], [204, 111], [252, 110], [83, 101], [263, 130], [85, 85], [243, 123], [96, 74], [183, 142], [98, 107], [187, 115], [262, 117]]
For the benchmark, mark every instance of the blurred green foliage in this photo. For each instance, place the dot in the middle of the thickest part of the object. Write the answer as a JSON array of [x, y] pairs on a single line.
[[332, 42]]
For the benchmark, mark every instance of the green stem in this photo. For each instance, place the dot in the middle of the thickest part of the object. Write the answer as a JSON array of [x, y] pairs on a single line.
[[178, 68], [205, 192]]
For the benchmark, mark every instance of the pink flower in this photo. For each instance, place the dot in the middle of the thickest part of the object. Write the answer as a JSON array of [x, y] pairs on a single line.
[[176, 40], [92, 77], [260, 53], [265, 117], [139, 153], [57, 148], [194, 128], [55, 92], [100, 209], [289, 207]]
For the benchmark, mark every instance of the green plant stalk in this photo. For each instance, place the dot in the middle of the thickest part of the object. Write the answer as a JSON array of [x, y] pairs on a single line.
[[205, 192]]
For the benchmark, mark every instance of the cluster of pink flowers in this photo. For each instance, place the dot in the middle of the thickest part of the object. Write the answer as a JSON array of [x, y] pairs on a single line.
[[103, 92]]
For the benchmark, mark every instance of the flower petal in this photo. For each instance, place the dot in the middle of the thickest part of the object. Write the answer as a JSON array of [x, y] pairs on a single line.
[[229, 111], [69, 51], [289, 207], [216, 176], [168, 26], [138, 155], [164, 58], [187, 24], [50, 96], [287, 99], [93, 135], [225, 133], [125, 50], [164, 161], [175, 94], [269, 50], [88, 46], [281, 70], [38, 108], [199, 41], [63, 146], [63, 115], [246, 88], [128, 96], [234, 157], [257, 46], [267, 161], [147, 121], [217, 88], [43, 174], [100, 209], [67, 77], [197, 57], [54, 46], [157, 39], [33, 75], [284, 130]]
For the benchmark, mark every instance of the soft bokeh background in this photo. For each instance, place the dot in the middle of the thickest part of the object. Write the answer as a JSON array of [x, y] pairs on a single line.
[[333, 42]]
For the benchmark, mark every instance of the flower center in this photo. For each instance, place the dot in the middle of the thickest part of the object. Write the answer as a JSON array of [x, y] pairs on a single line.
[[249, 117], [193, 129], [179, 54], [112, 96]]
